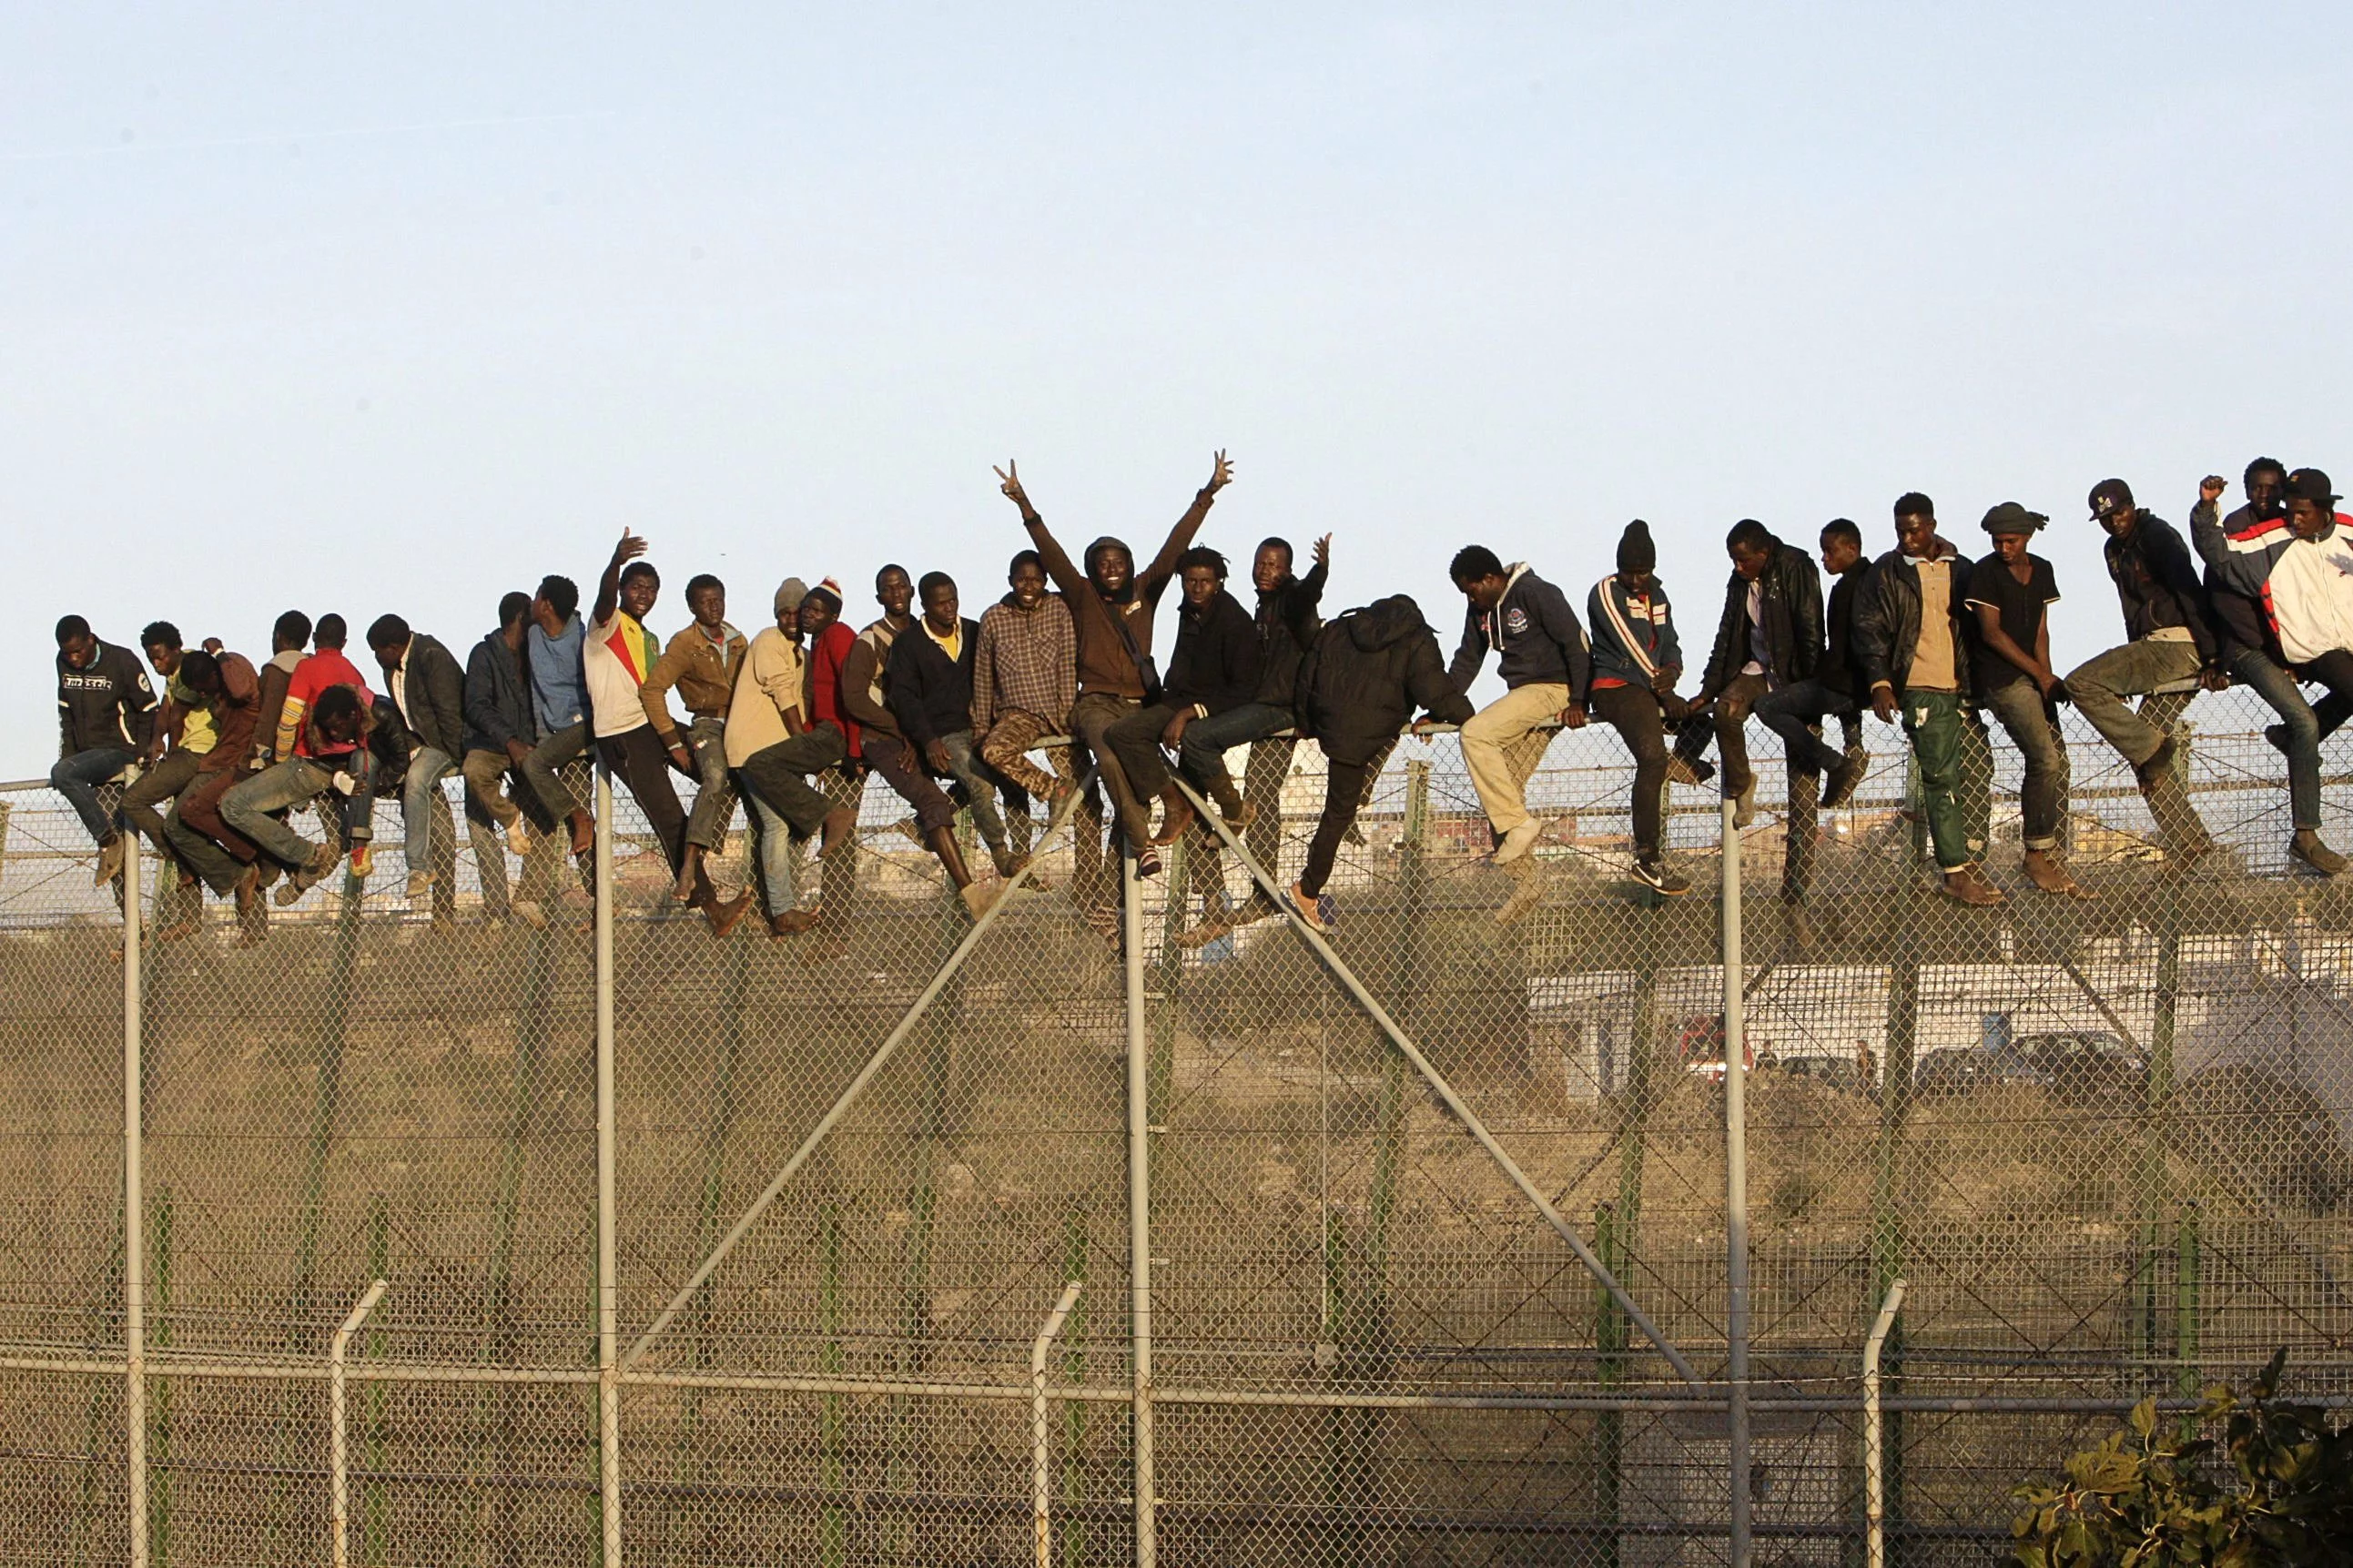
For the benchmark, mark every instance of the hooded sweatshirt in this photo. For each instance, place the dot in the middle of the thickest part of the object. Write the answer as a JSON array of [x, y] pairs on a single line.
[[1535, 632], [1368, 672], [1633, 638], [107, 703], [1115, 634]]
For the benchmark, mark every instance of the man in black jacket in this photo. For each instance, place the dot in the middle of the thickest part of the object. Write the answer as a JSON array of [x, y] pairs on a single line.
[[1913, 647], [1795, 711], [1215, 670], [1361, 682], [1769, 636], [428, 693], [500, 733], [2171, 644], [106, 716], [928, 685], [1546, 666]]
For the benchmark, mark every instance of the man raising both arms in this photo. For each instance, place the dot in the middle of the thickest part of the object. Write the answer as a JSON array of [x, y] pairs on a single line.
[[1112, 606]]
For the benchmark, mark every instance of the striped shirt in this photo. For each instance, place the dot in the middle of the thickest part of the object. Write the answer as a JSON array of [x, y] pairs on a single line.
[[617, 656]]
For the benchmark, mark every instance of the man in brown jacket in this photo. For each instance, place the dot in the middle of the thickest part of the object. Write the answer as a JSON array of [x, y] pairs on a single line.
[[701, 662], [1110, 611]]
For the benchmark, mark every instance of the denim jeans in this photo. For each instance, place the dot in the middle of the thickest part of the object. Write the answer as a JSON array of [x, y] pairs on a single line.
[[779, 856], [2253, 669], [539, 772], [714, 798], [1202, 758], [2100, 683], [980, 785], [1795, 713], [421, 802], [249, 806], [174, 772], [77, 777], [777, 778], [2023, 711]]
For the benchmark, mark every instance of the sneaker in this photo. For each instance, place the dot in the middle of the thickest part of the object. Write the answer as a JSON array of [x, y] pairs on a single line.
[[1318, 914], [1147, 862], [978, 896], [527, 912], [110, 860], [1518, 841], [420, 885], [2308, 848], [519, 837], [362, 860], [1967, 886], [1653, 873]]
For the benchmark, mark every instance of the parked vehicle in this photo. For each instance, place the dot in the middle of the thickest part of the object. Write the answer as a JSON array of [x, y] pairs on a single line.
[[1700, 1047], [2077, 1066]]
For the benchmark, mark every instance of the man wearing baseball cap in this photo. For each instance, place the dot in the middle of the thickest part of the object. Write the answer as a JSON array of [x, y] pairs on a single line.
[[2171, 647], [784, 725], [2011, 592], [2239, 551]]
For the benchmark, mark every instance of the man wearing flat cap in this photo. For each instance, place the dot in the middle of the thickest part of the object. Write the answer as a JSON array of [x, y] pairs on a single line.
[[2011, 592]]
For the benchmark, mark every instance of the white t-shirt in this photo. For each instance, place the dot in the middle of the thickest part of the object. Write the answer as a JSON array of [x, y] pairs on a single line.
[[616, 656]]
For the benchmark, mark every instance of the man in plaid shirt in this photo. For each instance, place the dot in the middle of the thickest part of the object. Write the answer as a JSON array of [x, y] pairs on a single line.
[[1025, 676]]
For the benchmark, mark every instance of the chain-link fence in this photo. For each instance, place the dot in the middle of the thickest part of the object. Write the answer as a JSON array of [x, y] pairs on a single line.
[[740, 1251]]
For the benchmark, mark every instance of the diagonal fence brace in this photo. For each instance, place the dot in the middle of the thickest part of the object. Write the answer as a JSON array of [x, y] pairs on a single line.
[[1454, 1102], [858, 1086]]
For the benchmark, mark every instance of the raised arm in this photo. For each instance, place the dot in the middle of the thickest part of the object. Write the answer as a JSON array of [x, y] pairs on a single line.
[[2206, 534], [1180, 538], [1057, 562], [609, 586]]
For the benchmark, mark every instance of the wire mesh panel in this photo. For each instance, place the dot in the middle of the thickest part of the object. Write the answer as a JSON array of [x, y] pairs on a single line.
[[2106, 1140]]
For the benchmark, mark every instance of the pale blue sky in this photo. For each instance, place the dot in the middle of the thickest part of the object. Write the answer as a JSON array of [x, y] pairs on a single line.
[[395, 308]]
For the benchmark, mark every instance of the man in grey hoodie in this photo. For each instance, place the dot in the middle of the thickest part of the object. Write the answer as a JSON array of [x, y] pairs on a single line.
[[1545, 666]]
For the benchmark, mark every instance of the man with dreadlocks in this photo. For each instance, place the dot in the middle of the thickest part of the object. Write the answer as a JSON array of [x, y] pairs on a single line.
[[1111, 605]]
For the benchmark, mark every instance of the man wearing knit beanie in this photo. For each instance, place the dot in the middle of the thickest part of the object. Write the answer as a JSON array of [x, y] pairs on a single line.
[[785, 724], [1636, 659]]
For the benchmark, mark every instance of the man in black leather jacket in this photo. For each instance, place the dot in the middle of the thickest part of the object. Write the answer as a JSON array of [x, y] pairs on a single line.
[[1769, 636]]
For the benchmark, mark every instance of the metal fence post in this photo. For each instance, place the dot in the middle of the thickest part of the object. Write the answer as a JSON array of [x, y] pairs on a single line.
[[1139, 1209], [134, 1216], [1735, 1194], [608, 1293]]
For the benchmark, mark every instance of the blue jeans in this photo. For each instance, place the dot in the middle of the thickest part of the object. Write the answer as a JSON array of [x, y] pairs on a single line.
[[248, 807], [780, 856], [421, 800], [980, 784], [538, 771], [714, 798], [77, 777], [2253, 669], [1793, 711], [1202, 758]]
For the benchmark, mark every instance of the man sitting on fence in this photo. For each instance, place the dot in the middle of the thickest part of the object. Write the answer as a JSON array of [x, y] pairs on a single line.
[[1368, 672], [106, 715], [427, 687], [185, 734], [1795, 711], [1024, 678], [1636, 660], [785, 724], [930, 686], [2171, 644], [1544, 668], [2238, 552], [2011, 592], [1769, 636], [701, 662], [1913, 650]]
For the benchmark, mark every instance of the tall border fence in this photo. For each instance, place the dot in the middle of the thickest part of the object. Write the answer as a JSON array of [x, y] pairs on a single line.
[[1439, 1238]]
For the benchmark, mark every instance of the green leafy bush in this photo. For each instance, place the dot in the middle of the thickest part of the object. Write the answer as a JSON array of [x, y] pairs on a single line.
[[2276, 1489]]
